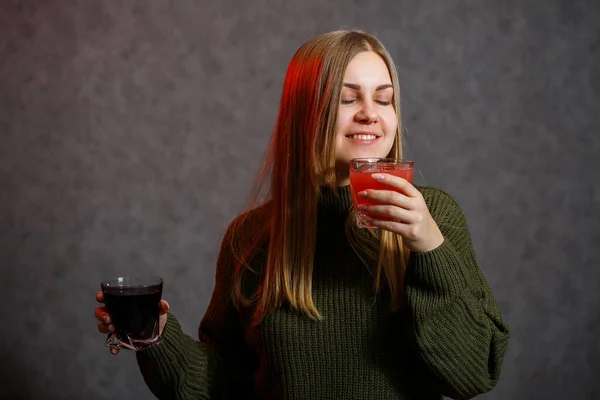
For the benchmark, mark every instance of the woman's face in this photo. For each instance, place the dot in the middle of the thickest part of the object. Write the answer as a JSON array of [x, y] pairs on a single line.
[[367, 121]]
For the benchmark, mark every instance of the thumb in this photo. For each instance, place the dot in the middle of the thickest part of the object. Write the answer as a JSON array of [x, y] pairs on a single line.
[[163, 307]]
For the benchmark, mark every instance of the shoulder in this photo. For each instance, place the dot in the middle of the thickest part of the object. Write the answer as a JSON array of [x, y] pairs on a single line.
[[248, 230], [438, 198], [251, 219]]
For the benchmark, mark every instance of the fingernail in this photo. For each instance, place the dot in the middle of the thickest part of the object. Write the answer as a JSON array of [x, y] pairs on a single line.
[[378, 177], [361, 207], [363, 193]]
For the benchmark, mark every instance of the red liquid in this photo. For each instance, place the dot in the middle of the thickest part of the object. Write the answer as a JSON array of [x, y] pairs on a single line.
[[361, 180]]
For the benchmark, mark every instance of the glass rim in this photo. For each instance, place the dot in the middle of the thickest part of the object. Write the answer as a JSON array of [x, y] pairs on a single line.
[[152, 280]]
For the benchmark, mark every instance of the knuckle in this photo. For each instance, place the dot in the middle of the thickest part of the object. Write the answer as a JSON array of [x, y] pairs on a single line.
[[413, 233]]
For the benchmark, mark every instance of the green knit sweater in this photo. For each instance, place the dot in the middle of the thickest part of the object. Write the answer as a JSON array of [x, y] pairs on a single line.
[[449, 338]]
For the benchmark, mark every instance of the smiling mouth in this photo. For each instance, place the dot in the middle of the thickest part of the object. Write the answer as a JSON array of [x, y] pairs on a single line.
[[363, 137]]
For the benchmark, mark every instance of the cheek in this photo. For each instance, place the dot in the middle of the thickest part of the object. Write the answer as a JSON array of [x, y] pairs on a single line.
[[391, 121], [343, 118], [342, 126]]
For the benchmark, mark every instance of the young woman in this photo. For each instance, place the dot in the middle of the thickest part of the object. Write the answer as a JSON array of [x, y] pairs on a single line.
[[308, 306]]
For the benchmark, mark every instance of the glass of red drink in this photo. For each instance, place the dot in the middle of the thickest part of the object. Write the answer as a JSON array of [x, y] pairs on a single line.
[[132, 302], [361, 170]]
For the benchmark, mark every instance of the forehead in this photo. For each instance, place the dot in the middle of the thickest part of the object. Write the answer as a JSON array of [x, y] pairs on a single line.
[[367, 66]]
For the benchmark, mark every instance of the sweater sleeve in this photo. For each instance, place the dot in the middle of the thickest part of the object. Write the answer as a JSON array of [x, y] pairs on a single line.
[[217, 366], [455, 321]]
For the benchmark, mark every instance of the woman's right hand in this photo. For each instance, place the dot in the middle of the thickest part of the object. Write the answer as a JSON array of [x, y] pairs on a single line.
[[105, 325]]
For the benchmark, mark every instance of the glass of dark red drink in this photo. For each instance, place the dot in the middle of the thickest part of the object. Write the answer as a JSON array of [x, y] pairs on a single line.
[[132, 302]]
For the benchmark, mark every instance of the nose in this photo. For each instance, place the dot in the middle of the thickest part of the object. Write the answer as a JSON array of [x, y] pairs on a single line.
[[367, 113]]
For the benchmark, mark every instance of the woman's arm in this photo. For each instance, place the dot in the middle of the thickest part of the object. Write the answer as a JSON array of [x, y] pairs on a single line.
[[455, 321], [218, 366]]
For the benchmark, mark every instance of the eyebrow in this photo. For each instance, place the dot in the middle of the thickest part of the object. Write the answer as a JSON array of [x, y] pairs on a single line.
[[354, 86]]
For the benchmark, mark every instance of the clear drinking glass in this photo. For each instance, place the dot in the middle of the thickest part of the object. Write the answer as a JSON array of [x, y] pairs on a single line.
[[132, 302], [361, 170]]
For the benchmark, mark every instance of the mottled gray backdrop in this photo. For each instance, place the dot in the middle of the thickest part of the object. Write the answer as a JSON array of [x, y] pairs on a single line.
[[130, 132]]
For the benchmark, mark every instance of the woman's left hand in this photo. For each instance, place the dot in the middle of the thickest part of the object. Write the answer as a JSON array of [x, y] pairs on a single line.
[[405, 205]]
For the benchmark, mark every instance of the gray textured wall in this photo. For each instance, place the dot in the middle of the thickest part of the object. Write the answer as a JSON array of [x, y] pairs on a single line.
[[130, 130]]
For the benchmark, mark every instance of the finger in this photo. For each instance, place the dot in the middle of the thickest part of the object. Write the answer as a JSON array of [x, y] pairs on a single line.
[[407, 231], [397, 214], [100, 297], [105, 328], [101, 313], [388, 197], [397, 182], [392, 226], [114, 351], [163, 306]]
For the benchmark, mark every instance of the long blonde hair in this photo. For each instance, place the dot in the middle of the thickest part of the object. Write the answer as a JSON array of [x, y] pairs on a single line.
[[299, 161]]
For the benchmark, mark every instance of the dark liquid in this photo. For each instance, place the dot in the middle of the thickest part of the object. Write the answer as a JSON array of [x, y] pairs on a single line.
[[134, 311]]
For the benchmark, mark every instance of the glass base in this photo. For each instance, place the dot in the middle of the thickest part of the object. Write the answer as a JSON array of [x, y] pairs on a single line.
[[112, 340], [361, 222]]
